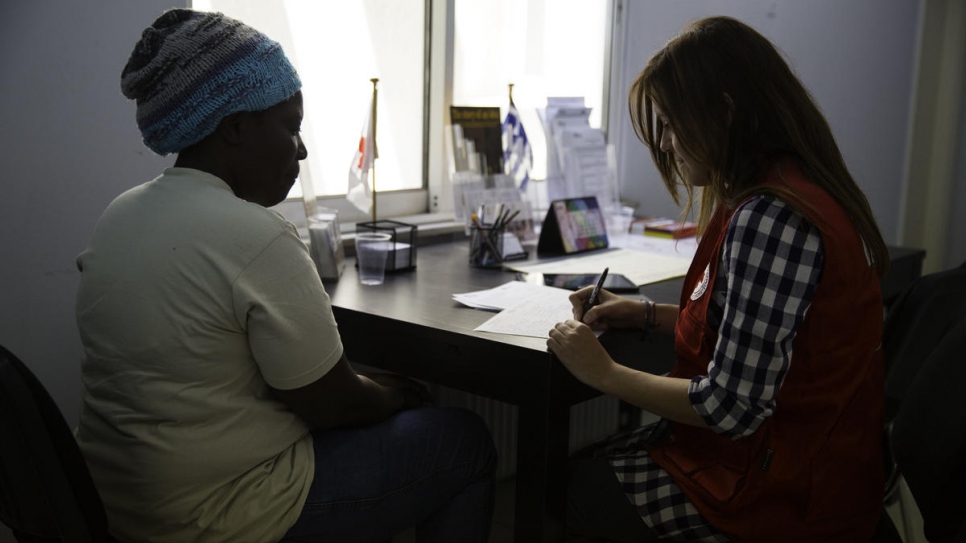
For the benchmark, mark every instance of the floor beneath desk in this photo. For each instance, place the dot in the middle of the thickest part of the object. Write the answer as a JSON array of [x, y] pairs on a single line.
[[904, 514], [502, 529]]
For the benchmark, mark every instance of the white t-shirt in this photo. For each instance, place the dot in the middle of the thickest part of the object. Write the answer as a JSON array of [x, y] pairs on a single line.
[[191, 303]]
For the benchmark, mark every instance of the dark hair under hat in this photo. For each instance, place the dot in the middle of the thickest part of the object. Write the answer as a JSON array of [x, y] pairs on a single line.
[[191, 69]]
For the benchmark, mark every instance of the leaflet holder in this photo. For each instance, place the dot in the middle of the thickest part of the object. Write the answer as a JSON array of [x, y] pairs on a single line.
[[325, 243]]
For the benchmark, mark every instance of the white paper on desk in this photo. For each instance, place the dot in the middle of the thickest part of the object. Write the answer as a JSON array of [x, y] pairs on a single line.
[[533, 317], [683, 248], [510, 294], [638, 266]]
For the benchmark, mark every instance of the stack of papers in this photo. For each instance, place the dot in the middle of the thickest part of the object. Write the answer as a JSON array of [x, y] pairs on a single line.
[[526, 309], [638, 266], [511, 294], [532, 309]]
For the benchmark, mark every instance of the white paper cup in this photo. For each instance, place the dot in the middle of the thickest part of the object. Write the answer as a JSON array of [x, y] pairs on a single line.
[[371, 252]]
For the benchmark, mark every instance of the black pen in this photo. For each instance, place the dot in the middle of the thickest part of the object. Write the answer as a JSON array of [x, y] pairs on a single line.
[[509, 217], [594, 294]]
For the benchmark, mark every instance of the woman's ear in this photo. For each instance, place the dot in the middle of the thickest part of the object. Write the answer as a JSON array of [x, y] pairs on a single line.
[[231, 128]]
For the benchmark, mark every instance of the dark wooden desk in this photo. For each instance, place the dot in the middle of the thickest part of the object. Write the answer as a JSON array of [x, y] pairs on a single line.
[[411, 325]]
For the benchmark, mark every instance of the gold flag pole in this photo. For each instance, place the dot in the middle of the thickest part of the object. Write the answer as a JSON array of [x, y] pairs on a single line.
[[375, 153], [511, 93]]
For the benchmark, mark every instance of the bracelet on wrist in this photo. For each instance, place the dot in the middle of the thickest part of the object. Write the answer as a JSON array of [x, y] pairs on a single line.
[[650, 315]]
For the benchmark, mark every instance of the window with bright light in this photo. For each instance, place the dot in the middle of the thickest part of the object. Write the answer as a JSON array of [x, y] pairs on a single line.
[[337, 47], [546, 48], [543, 47]]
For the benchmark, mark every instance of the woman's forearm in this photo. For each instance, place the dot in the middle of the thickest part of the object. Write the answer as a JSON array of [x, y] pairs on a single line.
[[665, 318], [666, 397]]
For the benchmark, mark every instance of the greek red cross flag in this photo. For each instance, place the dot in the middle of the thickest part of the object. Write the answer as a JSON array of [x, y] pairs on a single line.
[[359, 193]]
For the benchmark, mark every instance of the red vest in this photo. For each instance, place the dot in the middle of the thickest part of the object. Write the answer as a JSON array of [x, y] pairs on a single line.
[[813, 470]]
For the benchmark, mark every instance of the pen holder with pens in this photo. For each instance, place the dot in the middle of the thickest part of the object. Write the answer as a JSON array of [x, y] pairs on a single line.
[[486, 246]]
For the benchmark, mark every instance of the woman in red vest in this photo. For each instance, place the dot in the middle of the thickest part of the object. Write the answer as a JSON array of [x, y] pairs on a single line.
[[772, 415]]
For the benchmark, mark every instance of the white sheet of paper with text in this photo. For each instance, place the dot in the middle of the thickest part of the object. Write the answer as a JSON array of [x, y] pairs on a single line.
[[533, 317], [507, 295]]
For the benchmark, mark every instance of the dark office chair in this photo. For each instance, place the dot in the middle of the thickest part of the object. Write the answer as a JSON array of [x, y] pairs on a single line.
[[929, 439], [917, 321], [46, 491]]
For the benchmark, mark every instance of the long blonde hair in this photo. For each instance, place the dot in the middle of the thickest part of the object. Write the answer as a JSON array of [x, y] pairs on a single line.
[[732, 100]]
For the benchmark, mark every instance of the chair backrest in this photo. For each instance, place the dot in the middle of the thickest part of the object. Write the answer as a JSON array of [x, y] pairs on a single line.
[[929, 438], [914, 325], [46, 491]]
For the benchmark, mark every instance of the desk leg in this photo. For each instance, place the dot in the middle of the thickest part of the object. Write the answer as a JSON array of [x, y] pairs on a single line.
[[542, 453]]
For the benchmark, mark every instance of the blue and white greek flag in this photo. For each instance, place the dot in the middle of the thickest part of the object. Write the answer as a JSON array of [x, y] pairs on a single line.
[[517, 154]]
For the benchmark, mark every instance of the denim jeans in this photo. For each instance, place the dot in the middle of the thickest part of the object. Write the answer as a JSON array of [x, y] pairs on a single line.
[[432, 468]]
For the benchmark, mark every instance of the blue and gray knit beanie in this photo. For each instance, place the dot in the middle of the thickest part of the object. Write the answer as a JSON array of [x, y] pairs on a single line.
[[191, 69]]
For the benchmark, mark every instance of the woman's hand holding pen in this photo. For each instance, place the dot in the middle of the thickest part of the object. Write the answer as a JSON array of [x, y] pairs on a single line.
[[612, 311], [574, 341]]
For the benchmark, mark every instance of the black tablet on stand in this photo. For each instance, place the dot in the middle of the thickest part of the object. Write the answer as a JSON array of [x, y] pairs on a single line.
[[572, 225]]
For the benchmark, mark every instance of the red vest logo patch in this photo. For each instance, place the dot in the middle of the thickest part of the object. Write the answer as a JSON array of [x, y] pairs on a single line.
[[703, 285]]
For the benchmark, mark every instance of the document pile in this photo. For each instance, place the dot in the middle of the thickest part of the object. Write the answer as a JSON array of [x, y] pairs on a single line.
[[525, 309], [639, 266]]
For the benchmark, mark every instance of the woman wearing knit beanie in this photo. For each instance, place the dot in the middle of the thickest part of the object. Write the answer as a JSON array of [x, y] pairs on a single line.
[[218, 404]]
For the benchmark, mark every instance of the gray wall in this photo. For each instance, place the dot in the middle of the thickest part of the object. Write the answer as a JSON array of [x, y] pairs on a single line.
[[69, 145], [856, 57]]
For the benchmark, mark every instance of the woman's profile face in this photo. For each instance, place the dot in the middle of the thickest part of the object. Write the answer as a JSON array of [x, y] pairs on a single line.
[[272, 153], [693, 173]]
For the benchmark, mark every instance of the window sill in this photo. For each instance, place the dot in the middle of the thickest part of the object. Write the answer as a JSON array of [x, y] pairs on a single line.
[[431, 228]]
